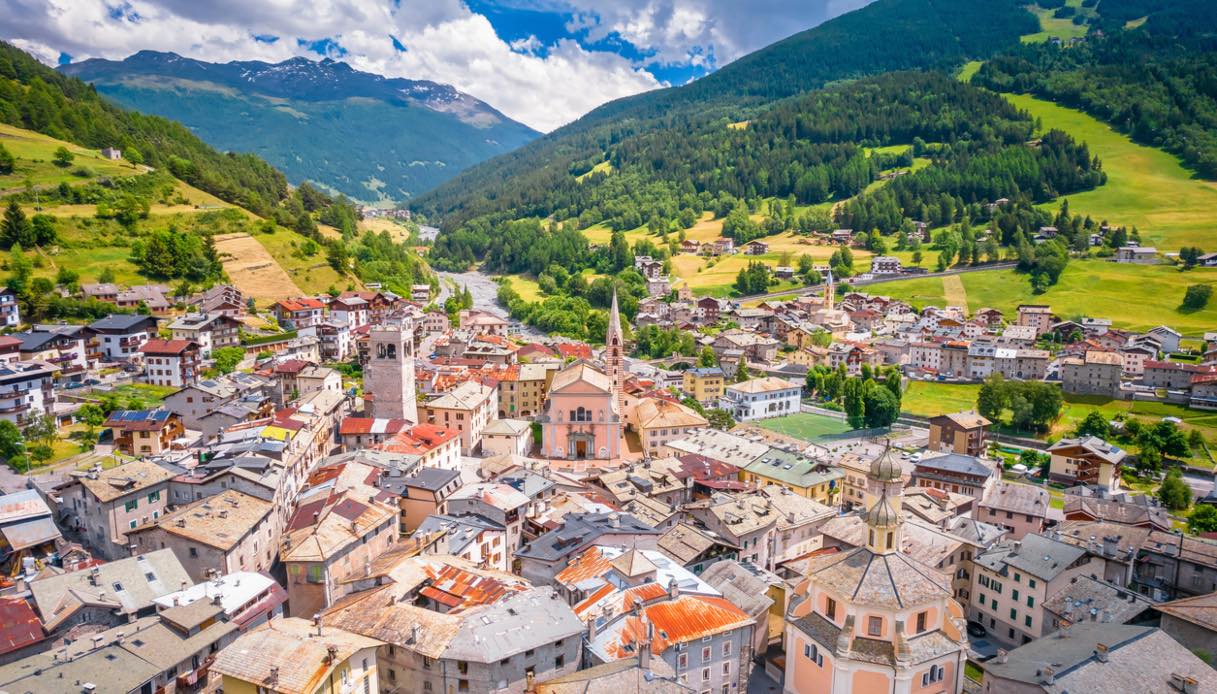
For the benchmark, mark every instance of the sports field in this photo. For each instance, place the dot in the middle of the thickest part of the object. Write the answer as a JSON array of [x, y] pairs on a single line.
[[807, 427]]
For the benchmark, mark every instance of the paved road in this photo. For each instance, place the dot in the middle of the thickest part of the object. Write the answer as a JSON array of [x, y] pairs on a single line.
[[1201, 484]]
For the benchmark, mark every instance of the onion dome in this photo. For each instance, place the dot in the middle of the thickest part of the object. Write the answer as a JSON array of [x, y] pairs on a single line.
[[885, 468], [882, 515]]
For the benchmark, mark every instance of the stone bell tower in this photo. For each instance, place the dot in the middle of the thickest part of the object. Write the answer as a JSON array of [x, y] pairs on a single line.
[[389, 375]]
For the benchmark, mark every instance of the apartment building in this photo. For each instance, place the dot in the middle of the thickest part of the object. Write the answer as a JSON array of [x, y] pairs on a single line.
[[105, 505], [761, 398], [468, 408]]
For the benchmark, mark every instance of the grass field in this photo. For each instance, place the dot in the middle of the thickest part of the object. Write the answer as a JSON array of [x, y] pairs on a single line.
[[1051, 27], [525, 286], [34, 152], [928, 399], [807, 427], [1146, 187], [1137, 297], [397, 231], [968, 70]]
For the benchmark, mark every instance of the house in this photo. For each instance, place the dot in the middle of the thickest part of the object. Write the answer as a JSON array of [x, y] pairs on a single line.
[[153, 296], [335, 531], [246, 598], [695, 547], [63, 346], [105, 291], [1192, 622], [1100, 658], [1014, 578], [1172, 375], [423, 493], [468, 408], [690, 246], [225, 533], [1089, 600], [640, 676], [1089, 460], [718, 446], [355, 433], [475, 539], [885, 265], [1170, 565], [294, 314], [1143, 255], [1037, 316], [756, 248], [1019, 508], [430, 445], [1097, 509], [351, 311], [144, 432], [522, 388], [1097, 374], [507, 436], [962, 432], [708, 310], [26, 391], [961, 474], [1168, 338], [495, 501], [111, 153], [477, 322], [659, 420], [223, 299], [104, 505], [121, 335], [21, 633], [450, 626], [761, 398], [210, 331], [109, 593], [842, 235], [541, 559], [796, 473], [292, 656], [708, 640], [27, 529], [171, 362]]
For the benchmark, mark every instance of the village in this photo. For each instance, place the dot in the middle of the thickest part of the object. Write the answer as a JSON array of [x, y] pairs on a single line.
[[383, 497]]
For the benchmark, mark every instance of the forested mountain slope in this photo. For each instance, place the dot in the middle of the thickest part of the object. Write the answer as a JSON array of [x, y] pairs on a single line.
[[884, 36], [369, 137]]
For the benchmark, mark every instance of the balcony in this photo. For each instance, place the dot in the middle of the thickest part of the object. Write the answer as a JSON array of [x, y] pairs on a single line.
[[15, 409]]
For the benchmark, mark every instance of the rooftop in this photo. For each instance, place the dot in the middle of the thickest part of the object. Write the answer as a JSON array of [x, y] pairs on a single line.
[[1036, 555], [220, 521], [289, 656], [128, 478], [1085, 599]]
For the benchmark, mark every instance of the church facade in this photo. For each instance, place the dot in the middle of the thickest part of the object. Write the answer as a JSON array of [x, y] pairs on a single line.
[[584, 413]]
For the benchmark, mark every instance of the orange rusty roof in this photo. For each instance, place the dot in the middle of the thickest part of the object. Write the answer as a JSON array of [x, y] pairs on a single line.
[[684, 619], [590, 564], [459, 589]]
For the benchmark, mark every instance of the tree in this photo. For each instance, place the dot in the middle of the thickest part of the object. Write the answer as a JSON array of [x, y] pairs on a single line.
[[1174, 492], [741, 371], [7, 163], [106, 276], [16, 227], [706, 359], [720, 419], [1095, 424], [92, 416], [1202, 520], [41, 453], [12, 443], [134, 156], [63, 158], [880, 406], [1196, 297], [227, 358], [43, 429], [855, 405]]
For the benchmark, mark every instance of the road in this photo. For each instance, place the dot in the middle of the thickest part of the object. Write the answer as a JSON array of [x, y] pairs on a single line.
[[1201, 484], [817, 288], [485, 296]]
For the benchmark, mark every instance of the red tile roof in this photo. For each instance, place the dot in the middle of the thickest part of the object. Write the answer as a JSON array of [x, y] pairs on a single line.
[[577, 350], [365, 425], [419, 439], [171, 347], [302, 304]]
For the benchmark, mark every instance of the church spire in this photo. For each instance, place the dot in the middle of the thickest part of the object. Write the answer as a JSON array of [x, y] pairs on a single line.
[[830, 291], [883, 518], [614, 357]]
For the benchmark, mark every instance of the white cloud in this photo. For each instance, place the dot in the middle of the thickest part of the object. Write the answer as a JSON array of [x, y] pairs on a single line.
[[541, 85]]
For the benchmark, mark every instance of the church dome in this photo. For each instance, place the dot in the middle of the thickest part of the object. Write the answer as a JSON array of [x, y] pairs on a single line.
[[885, 468], [882, 515]]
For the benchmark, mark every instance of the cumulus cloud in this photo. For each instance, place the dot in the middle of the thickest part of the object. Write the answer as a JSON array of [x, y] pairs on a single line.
[[542, 84]]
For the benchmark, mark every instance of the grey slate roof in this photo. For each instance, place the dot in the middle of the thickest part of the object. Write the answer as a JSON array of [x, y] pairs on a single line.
[[579, 532], [1035, 555], [142, 579], [740, 586], [122, 322], [957, 463]]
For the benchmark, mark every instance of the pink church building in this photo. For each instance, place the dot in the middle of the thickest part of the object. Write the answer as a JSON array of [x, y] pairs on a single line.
[[875, 619], [583, 412]]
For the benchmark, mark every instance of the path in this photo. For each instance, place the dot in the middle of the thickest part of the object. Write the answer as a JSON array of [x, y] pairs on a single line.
[[818, 288], [953, 291]]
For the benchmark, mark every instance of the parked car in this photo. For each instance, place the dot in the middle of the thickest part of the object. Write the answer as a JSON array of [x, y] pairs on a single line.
[[976, 629]]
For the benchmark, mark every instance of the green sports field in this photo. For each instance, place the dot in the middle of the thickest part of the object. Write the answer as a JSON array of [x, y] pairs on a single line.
[[807, 427]]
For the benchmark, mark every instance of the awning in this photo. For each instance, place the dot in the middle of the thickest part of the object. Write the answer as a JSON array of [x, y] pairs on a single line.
[[30, 533]]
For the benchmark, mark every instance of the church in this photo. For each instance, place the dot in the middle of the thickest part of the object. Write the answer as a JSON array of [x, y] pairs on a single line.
[[585, 411]]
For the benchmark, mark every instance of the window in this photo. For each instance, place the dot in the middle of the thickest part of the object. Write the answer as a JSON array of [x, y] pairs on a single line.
[[132, 524], [936, 673], [154, 497], [705, 654], [726, 648], [812, 652], [874, 626], [993, 603], [426, 686], [921, 616], [705, 674], [315, 574], [1031, 582], [1014, 594], [131, 505], [194, 552], [830, 609], [1027, 620], [682, 660], [559, 661], [1013, 613], [1030, 601]]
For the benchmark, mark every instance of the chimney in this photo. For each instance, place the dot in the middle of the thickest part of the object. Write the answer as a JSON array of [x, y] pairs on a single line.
[[184, 585], [274, 674], [1002, 655], [1100, 652], [1047, 675], [614, 520], [215, 599], [644, 649], [317, 622], [331, 654], [673, 590], [530, 684]]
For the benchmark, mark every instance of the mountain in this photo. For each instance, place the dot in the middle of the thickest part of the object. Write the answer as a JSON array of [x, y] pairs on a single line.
[[884, 36], [367, 136]]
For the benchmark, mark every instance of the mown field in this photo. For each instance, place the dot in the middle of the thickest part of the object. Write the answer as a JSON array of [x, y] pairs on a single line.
[[806, 427], [34, 153], [1146, 187], [1137, 297], [929, 399]]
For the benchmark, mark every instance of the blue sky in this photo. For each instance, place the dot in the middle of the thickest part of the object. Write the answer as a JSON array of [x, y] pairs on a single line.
[[542, 62]]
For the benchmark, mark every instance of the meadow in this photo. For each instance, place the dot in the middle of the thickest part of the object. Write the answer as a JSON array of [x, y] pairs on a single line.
[[1136, 297]]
